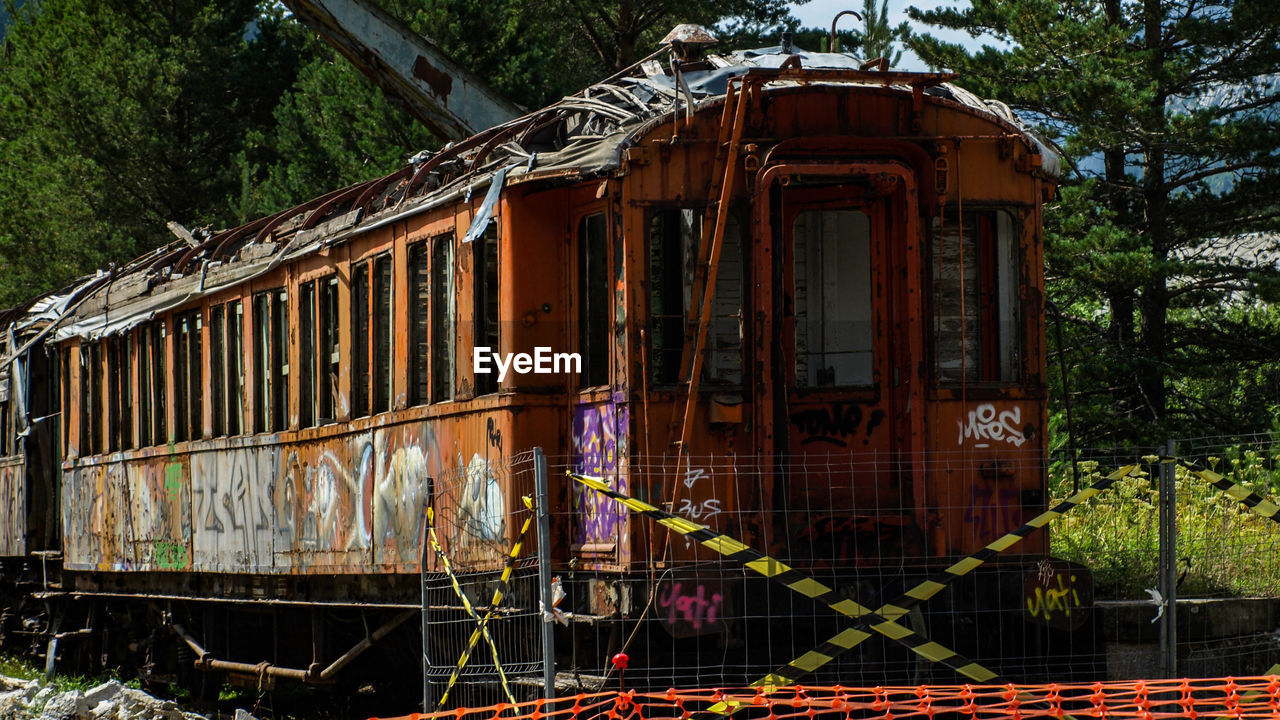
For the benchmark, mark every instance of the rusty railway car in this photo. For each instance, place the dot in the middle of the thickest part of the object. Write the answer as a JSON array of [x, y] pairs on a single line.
[[803, 300]]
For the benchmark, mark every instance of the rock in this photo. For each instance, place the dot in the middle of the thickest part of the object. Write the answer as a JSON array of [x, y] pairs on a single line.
[[106, 691], [11, 703], [41, 697], [242, 715], [8, 683], [65, 706], [104, 710]]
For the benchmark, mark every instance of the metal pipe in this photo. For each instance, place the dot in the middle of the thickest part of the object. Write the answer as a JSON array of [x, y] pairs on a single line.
[[832, 46], [312, 675]]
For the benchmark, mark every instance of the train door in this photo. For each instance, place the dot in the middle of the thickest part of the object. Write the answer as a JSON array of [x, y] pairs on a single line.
[[837, 260]]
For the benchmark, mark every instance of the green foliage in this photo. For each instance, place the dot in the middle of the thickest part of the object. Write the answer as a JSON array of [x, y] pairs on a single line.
[[1169, 113], [1223, 548], [116, 117]]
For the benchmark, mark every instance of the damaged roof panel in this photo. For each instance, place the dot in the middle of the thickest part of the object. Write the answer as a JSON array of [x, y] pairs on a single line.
[[582, 135]]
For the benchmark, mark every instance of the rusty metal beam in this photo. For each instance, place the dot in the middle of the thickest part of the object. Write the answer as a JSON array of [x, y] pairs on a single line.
[[446, 98], [313, 675]]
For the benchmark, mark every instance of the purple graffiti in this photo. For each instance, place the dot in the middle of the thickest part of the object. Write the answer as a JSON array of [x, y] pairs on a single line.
[[992, 512], [599, 442]]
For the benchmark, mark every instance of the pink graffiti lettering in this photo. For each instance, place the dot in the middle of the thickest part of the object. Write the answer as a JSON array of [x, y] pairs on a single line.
[[696, 609]]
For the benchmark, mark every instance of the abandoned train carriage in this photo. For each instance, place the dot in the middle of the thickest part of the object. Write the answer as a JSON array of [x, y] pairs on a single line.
[[265, 412]]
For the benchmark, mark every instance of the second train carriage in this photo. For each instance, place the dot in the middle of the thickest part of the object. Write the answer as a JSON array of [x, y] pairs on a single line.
[[805, 304]]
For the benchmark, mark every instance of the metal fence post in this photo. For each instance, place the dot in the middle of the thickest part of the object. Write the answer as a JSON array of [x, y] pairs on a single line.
[[426, 622], [1169, 562], [544, 571]]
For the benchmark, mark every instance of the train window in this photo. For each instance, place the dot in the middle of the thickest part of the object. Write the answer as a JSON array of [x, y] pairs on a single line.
[[832, 299], [271, 367], [329, 350], [419, 323], [226, 368], [279, 360], [975, 297], [6, 432], [235, 367], [124, 395], [307, 354], [188, 376], [66, 403], [594, 300], [217, 371], [442, 318], [261, 361], [487, 326], [112, 397], [142, 360], [360, 341], [381, 340], [90, 398], [674, 239], [159, 411]]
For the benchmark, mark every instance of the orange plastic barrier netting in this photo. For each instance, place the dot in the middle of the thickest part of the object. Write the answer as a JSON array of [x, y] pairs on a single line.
[[1252, 697]]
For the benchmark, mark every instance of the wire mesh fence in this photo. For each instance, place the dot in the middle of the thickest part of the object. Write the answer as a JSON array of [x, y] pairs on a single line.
[[844, 568]]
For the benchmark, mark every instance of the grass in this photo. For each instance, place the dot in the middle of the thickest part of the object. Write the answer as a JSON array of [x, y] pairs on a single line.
[[1223, 548], [24, 669]]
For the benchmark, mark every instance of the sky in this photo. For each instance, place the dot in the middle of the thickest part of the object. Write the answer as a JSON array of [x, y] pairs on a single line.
[[818, 13]]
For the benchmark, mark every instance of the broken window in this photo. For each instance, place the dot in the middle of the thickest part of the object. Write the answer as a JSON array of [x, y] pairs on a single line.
[[91, 407], [419, 323], [6, 416], [381, 340], [279, 360], [593, 300], [142, 361], [159, 376], [442, 319], [188, 376], [329, 350], [307, 354], [125, 369], [674, 239], [832, 298], [976, 299], [485, 249], [217, 370], [360, 341], [270, 364], [112, 397], [66, 403], [235, 367]]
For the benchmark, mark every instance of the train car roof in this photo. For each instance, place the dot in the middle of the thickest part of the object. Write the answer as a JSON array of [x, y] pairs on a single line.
[[580, 136]]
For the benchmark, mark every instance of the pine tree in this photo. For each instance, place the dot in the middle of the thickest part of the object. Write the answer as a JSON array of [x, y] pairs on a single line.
[[878, 38], [1169, 113], [116, 117]]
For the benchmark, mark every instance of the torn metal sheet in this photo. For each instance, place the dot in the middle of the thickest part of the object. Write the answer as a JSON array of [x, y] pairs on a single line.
[[485, 213]]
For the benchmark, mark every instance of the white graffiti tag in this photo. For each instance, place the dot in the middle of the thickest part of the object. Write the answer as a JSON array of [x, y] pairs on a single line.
[[985, 424]]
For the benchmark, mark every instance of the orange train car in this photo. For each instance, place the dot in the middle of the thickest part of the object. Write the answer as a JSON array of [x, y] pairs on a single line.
[[789, 297]]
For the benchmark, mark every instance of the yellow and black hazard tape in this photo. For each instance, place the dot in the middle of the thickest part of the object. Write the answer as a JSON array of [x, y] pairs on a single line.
[[481, 625], [481, 629], [790, 673], [784, 574], [1244, 495]]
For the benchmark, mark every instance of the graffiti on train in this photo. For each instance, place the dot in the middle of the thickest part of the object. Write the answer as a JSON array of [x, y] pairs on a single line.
[[599, 447], [343, 504], [985, 426]]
